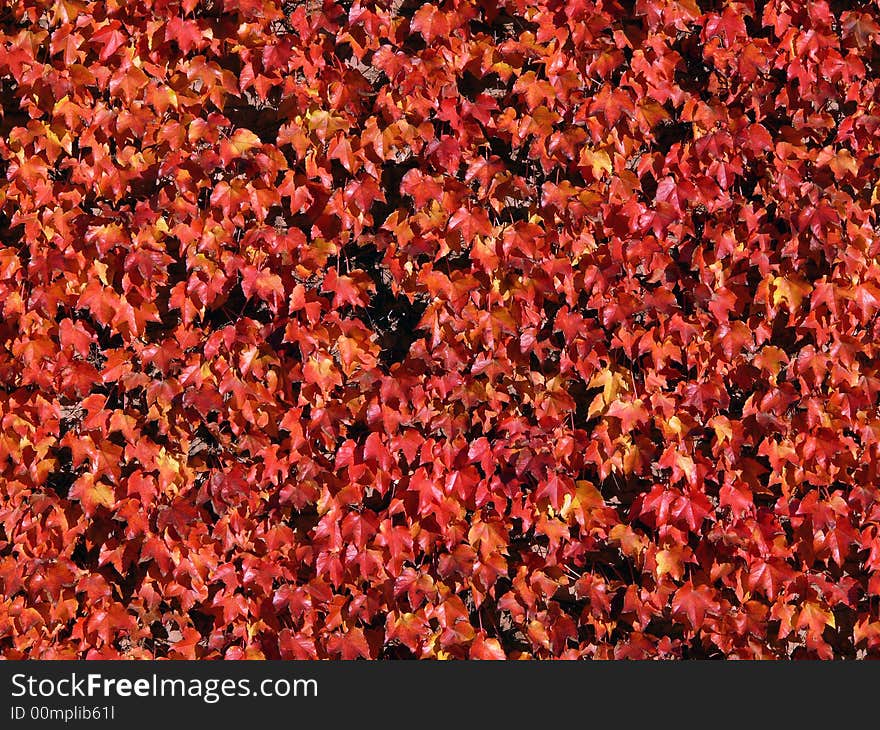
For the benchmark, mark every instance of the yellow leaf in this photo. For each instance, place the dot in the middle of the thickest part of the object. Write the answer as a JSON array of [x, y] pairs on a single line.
[[598, 161], [631, 543], [243, 140], [324, 124], [669, 561], [791, 291], [596, 406], [93, 494], [814, 617], [504, 70], [687, 466], [842, 162], [770, 359], [101, 270], [722, 427], [586, 498], [587, 495]]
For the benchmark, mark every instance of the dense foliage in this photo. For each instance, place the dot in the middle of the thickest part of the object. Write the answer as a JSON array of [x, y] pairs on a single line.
[[480, 328]]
